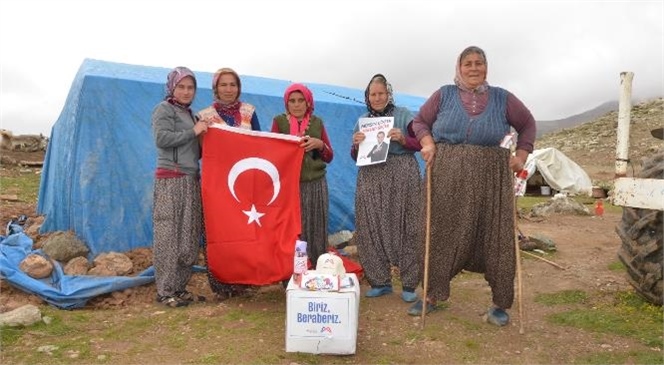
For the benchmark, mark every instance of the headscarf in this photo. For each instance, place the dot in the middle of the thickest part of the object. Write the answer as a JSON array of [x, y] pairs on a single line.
[[173, 79], [458, 79], [232, 109], [215, 81], [299, 129], [389, 107]]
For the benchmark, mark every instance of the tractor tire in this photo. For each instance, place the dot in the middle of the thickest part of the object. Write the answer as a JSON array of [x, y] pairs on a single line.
[[641, 233]]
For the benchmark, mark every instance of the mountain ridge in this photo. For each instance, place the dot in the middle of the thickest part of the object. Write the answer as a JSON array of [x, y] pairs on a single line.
[[592, 144]]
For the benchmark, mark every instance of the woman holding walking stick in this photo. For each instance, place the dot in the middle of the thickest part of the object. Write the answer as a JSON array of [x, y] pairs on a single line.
[[460, 128]]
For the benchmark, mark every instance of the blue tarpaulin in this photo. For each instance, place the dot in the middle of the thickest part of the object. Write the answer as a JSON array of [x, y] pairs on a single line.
[[60, 290], [99, 167], [98, 171]]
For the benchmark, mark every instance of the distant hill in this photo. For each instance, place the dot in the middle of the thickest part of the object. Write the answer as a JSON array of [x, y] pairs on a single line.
[[548, 126], [592, 144]]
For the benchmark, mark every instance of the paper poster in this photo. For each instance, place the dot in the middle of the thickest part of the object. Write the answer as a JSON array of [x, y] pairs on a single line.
[[374, 148]]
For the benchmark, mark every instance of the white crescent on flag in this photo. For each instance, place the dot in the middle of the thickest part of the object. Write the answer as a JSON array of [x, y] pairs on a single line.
[[258, 164]]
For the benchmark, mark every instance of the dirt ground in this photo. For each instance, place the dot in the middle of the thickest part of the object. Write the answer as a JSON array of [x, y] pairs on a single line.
[[586, 246]]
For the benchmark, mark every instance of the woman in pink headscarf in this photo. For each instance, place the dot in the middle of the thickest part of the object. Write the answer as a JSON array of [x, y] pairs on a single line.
[[300, 121]]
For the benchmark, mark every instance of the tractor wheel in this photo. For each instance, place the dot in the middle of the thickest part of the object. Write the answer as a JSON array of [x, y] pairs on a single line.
[[641, 235]]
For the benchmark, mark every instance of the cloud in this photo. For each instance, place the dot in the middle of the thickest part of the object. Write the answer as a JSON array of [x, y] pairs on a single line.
[[560, 58]]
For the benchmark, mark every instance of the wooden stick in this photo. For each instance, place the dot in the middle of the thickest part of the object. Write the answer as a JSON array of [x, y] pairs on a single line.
[[543, 259], [519, 283], [427, 242]]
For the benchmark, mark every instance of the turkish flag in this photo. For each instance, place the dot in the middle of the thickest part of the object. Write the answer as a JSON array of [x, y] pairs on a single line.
[[251, 204]]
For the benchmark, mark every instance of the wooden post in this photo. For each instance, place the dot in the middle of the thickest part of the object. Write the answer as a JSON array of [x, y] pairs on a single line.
[[427, 242]]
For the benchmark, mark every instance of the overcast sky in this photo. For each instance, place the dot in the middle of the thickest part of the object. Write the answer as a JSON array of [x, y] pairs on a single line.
[[559, 57]]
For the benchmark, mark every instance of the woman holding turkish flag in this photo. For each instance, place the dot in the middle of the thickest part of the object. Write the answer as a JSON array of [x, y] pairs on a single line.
[[229, 109], [300, 121], [177, 213]]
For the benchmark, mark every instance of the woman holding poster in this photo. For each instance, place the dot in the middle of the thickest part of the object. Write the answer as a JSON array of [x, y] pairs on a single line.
[[388, 215], [299, 120]]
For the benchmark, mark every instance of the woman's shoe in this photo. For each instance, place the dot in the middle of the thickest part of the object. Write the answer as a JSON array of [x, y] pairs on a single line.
[[378, 291], [497, 316], [408, 296], [189, 296], [171, 301], [416, 309]]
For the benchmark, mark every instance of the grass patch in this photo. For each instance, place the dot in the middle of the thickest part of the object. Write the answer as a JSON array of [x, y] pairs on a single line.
[[527, 203], [617, 266], [632, 357], [25, 185], [626, 314], [563, 297]]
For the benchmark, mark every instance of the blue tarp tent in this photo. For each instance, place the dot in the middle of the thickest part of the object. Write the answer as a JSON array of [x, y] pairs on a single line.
[[98, 170]]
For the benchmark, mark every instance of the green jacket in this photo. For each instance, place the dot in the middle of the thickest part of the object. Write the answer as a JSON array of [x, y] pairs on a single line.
[[313, 167]]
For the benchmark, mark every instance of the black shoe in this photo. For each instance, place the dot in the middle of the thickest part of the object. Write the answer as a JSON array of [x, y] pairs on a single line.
[[189, 296], [171, 301]]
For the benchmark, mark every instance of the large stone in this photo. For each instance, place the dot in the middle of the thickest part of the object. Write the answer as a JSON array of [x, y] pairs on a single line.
[[22, 316], [77, 266], [111, 263], [36, 266], [559, 205], [64, 246]]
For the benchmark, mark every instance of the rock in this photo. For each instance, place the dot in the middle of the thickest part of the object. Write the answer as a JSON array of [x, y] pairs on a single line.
[[543, 242], [559, 205], [112, 264], [33, 225], [36, 266], [339, 239], [77, 266], [64, 246], [22, 316]]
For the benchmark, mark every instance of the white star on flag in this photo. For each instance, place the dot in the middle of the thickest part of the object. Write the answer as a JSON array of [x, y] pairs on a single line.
[[254, 215]]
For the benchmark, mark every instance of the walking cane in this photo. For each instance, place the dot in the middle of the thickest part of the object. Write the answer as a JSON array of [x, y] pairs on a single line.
[[518, 269], [427, 240]]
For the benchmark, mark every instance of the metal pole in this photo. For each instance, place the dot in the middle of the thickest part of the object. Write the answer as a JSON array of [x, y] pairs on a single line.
[[624, 110]]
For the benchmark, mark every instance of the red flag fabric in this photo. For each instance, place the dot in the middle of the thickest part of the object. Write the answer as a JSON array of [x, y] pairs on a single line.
[[250, 184]]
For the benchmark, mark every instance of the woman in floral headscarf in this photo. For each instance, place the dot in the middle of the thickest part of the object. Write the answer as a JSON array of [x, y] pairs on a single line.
[[461, 127], [227, 87], [177, 214], [388, 212], [300, 121]]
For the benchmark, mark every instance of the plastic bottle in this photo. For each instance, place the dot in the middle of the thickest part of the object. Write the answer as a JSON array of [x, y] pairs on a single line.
[[520, 182], [599, 208], [299, 261]]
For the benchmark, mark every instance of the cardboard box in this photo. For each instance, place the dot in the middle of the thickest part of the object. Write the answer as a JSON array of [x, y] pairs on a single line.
[[322, 322]]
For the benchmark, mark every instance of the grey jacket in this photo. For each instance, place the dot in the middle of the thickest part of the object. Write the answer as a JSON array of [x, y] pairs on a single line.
[[177, 145]]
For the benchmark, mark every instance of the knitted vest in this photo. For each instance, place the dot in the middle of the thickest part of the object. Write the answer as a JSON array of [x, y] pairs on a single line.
[[453, 125], [313, 168]]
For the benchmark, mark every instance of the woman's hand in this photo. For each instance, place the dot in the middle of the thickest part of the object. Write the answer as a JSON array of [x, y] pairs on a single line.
[[311, 143], [358, 137], [395, 134], [519, 161], [200, 127], [428, 150]]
